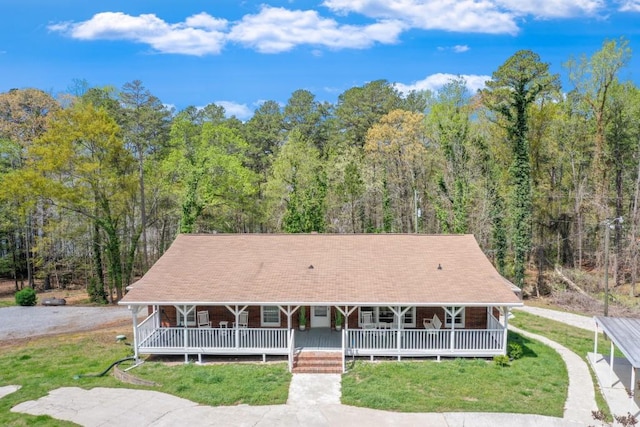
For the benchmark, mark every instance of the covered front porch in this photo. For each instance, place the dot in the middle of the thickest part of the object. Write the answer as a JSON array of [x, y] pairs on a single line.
[[154, 335]]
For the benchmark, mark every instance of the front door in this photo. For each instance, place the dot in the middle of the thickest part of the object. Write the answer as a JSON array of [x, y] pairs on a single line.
[[320, 317]]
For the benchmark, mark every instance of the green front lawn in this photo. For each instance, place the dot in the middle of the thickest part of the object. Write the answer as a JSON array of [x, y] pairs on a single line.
[[46, 364], [535, 384]]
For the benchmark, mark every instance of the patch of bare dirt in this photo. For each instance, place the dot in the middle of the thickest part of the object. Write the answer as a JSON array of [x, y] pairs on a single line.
[[75, 295]]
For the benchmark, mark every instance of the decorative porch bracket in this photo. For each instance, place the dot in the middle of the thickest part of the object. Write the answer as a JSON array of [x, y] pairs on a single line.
[[288, 311], [346, 313]]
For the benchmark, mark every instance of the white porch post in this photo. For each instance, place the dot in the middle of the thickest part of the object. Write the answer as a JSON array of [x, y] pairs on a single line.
[[157, 320], [633, 383], [134, 316], [398, 313], [237, 329], [185, 334], [236, 313], [452, 314], [611, 360], [505, 333]]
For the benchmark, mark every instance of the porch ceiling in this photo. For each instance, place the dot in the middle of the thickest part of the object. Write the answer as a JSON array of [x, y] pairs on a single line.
[[323, 269]]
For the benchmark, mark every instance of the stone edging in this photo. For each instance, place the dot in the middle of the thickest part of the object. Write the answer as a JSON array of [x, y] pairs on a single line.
[[126, 377]]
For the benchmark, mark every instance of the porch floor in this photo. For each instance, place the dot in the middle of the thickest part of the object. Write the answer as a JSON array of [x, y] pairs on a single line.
[[318, 339]]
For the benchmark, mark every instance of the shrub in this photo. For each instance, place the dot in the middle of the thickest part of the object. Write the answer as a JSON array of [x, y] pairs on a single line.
[[515, 351], [26, 297], [96, 292], [501, 360]]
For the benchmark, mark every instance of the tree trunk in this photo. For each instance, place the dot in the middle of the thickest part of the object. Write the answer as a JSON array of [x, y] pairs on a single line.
[[634, 234], [97, 256], [28, 252], [143, 209]]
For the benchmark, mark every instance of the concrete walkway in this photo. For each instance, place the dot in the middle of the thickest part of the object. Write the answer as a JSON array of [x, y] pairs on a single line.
[[581, 399], [577, 320], [125, 407]]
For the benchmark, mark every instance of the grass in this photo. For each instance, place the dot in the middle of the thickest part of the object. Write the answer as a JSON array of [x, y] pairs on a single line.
[[222, 384], [578, 340], [45, 364], [535, 384]]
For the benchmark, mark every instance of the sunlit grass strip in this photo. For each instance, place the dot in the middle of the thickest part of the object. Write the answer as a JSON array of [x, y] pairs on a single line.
[[535, 384]]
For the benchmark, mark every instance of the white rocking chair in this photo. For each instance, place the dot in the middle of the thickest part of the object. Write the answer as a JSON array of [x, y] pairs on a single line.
[[203, 319], [435, 323], [367, 320], [243, 320]]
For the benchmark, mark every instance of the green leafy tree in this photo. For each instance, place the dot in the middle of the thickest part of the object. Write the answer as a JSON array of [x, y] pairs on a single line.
[[23, 118], [515, 86], [297, 187], [207, 167], [308, 116], [449, 125], [81, 165], [396, 148], [146, 129], [359, 108], [593, 78]]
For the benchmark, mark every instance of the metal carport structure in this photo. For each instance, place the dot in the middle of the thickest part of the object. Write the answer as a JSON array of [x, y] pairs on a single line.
[[624, 333]]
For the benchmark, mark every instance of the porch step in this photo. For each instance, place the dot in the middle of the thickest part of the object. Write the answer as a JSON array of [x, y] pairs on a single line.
[[317, 362]]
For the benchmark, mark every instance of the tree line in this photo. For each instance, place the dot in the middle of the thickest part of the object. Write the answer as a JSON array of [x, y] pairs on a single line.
[[96, 183]]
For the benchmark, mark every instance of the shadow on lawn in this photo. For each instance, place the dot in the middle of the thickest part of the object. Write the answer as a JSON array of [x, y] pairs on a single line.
[[523, 342]]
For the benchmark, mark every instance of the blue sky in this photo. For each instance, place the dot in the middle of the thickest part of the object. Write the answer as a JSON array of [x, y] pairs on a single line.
[[241, 53]]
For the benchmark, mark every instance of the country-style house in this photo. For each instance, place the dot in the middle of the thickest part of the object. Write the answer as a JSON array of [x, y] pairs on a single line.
[[392, 295]]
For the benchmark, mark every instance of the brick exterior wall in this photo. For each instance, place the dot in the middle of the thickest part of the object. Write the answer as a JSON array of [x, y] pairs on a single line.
[[475, 317]]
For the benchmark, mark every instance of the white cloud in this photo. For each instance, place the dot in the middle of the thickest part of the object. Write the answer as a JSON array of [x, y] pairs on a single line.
[[552, 8], [276, 29], [436, 81], [199, 35], [241, 111], [478, 16], [459, 48], [630, 6]]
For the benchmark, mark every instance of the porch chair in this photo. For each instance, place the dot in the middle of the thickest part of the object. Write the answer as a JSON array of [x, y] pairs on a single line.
[[434, 323], [203, 319], [367, 320], [243, 320]]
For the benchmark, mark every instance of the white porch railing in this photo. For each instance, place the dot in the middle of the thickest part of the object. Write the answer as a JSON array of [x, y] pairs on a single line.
[[415, 342], [212, 340]]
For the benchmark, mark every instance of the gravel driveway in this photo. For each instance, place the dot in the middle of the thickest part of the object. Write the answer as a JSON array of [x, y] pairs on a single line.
[[27, 322]]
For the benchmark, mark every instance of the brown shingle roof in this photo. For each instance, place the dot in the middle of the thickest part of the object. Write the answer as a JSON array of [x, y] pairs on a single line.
[[323, 268]]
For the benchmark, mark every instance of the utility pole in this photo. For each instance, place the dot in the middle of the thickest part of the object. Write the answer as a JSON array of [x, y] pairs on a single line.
[[609, 224], [415, 204], [606, 267]]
